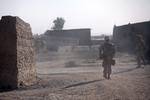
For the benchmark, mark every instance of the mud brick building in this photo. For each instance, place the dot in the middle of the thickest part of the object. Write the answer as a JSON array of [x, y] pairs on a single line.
[[17, 65], [53, 39], [124, 37], [75, 36]]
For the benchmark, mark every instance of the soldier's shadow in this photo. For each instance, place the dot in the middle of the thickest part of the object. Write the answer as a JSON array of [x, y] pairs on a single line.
[[93, 81], [82, 83]]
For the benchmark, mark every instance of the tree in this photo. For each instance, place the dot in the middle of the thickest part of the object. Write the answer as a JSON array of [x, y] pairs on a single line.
[[58, 23]]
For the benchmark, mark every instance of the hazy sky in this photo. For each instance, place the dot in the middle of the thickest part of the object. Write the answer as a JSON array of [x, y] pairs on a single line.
[[99, 15]]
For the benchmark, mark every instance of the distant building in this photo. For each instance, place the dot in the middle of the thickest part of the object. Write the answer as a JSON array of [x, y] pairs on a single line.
[[69, 37], [61, 41], [97, 40], [124, 36]]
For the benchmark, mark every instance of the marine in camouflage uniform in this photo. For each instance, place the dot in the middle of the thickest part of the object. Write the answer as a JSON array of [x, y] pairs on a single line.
[[140, 48], [106, 53]]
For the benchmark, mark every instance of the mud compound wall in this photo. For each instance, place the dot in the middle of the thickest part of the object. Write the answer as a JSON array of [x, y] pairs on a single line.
[[124, 37], [17, 65], [25, 53], [8, 52]]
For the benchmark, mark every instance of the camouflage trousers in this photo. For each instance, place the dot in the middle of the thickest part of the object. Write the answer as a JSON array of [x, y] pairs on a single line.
[[107, 67]]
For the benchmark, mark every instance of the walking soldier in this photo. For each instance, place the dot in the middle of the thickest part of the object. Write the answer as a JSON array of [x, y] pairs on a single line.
[[106, 53]]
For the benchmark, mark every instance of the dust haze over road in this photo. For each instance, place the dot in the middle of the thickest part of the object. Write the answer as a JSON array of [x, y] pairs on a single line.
[[77, 75]]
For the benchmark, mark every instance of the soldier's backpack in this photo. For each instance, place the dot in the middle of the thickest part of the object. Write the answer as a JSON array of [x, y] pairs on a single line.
[[108, 50]]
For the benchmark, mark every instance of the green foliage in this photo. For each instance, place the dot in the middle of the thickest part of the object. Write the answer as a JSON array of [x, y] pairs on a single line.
[[58, 23]]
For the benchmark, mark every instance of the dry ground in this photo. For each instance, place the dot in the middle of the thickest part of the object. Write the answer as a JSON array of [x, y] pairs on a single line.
[[84, 81]]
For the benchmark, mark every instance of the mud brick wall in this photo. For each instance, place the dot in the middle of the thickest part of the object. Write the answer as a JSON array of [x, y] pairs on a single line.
[[17, 65], [124, 37]]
